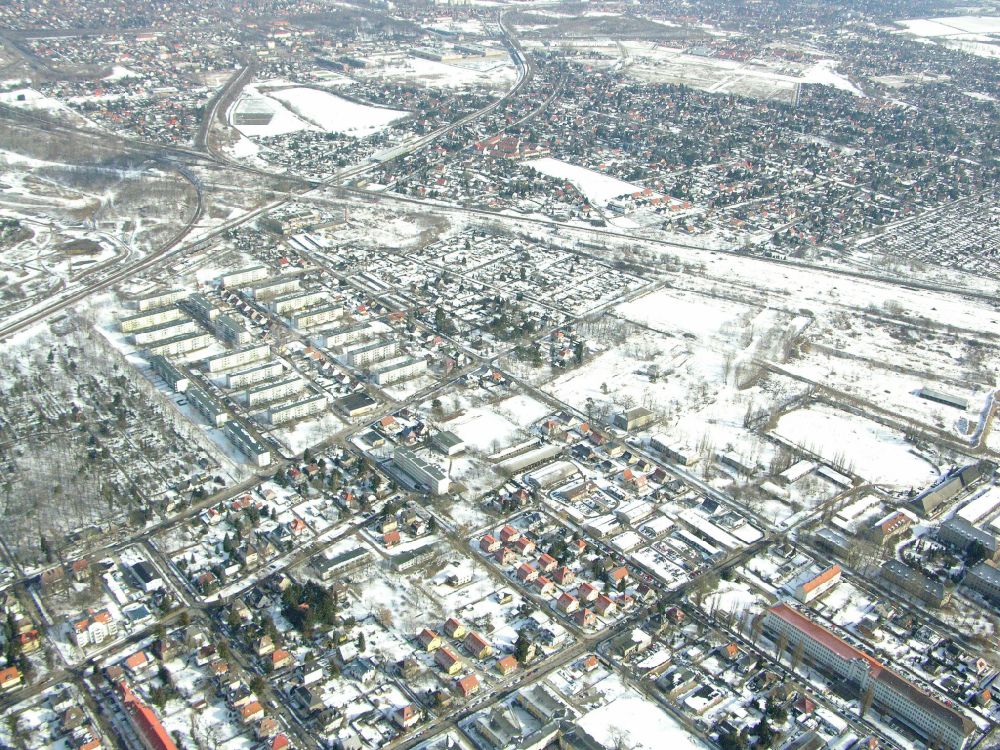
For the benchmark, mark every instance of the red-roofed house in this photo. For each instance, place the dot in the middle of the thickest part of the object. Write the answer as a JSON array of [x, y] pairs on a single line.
[[568, 603], [467, 685], [585, 618], [605, 606], [586, 592], [506, 665], [564, 576], [145, 721], [406, 716], [818, 585], [547, 563], [476, 645], [524, 545], [429, 640], [508, 534], [489, 543], [453, 628], [526, 573]]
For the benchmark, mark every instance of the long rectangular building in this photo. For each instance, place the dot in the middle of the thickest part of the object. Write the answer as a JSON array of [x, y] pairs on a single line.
[[244, 276], [287, 303], [316, 316], [160, 299], [166, 370], [255, 374], [248, 443], [421, 470], [149, 319], [183, 344], [400, 369], [169, 330], [985, 578], [210, 407], [272, 288], [892, 695], [273, 391], [363, 355], [914, 583], [237, 358], [297, 409]]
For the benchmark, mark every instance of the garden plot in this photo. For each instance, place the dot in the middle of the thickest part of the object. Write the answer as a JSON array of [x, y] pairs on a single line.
[[879, 454]]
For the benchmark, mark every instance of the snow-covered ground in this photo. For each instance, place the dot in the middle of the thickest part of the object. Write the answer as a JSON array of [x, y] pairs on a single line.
[[598, 188], [877, 453], [635, 721], [335, 114], [300, 108]]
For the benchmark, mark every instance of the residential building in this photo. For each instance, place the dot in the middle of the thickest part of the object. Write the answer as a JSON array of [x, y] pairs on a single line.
[[297, 409], [817, 585], [891, 694]]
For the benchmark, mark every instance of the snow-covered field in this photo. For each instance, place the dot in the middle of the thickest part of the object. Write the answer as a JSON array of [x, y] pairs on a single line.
[[635, 722], [598, 188], [335, 114], [877, 453], [300, 108], [496, 74], [977, 35]]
